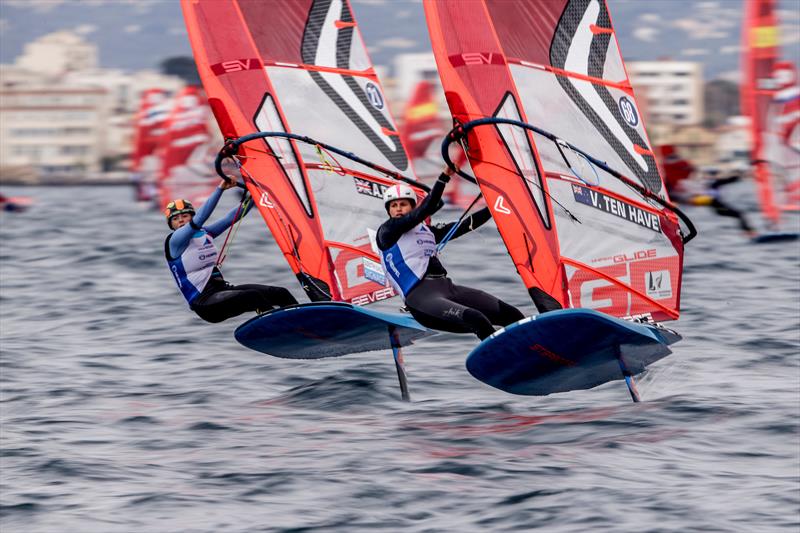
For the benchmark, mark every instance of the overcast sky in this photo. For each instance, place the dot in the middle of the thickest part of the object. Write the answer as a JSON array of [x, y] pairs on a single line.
[[135, 34]]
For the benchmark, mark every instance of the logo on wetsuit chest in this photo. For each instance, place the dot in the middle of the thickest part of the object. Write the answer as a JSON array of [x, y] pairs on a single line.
[[174, 269], [390, 261]]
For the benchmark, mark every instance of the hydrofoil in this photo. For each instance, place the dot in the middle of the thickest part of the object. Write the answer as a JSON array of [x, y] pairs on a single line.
[[330, 329]]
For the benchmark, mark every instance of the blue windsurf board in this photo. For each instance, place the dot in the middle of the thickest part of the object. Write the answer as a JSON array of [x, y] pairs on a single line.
[[327, 329], [778, 236], [566, 350]]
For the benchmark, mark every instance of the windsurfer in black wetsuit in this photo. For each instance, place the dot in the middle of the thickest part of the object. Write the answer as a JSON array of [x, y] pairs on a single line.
[[722, 208], [408, 249], [677, 172], [192, 259], [711, 197]]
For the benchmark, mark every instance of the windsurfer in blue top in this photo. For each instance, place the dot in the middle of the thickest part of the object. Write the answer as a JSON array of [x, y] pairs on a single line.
[[408, 249], [192, 259]]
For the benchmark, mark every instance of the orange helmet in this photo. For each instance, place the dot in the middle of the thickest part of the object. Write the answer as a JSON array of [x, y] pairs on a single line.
[[177, 207]]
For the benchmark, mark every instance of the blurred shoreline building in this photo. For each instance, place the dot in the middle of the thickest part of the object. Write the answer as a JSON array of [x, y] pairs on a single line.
[[673, 90], [52, 130], [62, 116]]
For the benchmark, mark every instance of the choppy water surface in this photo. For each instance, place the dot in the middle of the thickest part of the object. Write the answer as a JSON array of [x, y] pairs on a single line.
[[123, 411]]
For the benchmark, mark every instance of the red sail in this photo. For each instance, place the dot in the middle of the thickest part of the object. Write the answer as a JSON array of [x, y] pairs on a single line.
[[301, 67], [760, 51], [770, 96], [187, 153], [149, 131], [149, 125], [422, 126], [584, 238]]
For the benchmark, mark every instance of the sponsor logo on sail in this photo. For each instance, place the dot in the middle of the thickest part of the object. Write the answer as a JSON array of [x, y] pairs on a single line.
[[477, 58], [500, 206], [236, 65], [374, 271], [658, 284]]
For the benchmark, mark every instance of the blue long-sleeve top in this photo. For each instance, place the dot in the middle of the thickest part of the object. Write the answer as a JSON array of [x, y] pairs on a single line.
[[391, 230], [180, 237]]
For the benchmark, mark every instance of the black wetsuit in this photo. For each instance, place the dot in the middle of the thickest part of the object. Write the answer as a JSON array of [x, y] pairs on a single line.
[[723, 209], [220, 300], [200, 280], [436, 302]]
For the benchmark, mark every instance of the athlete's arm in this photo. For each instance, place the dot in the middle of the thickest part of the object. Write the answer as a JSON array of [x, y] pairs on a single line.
[[231, 218], [391, 230], [472, 222], [180, 237], [721, 182]]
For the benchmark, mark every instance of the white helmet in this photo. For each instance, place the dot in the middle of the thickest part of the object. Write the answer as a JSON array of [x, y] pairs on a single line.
[[396, 192]]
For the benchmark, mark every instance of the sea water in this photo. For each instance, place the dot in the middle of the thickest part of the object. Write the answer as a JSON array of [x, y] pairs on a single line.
[[120, 410]]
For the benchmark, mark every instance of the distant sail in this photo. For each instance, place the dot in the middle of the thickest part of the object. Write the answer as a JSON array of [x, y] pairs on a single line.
[[301, 67], [578, 234], [188, 150], [422, 130], [771, 98], [149, 129], [782, 138], [674, 168]]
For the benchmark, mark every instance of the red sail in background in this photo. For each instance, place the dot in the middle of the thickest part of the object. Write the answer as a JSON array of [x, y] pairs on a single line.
[[422, 133], [149, 125], [149, 130], [674, 168], [422, 126], [769, 96], [301, 67], [783, 141], [187, 152], [586, 241]]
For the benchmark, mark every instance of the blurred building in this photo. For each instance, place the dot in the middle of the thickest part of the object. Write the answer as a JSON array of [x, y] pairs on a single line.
[[695, 143], [124, 94], [60, 114], [125, 88], [721, 99], [734, 140], [53, 130], [674, 90], [57, 53]]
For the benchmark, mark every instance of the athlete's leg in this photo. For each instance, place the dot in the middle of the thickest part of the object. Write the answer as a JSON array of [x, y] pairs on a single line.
[[495, 309], [234, 300], [272, 296], [431, 308], [725, 210]]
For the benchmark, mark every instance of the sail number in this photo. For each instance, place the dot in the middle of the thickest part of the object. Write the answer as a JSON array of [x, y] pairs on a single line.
[[628, 111], [374, 95]]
